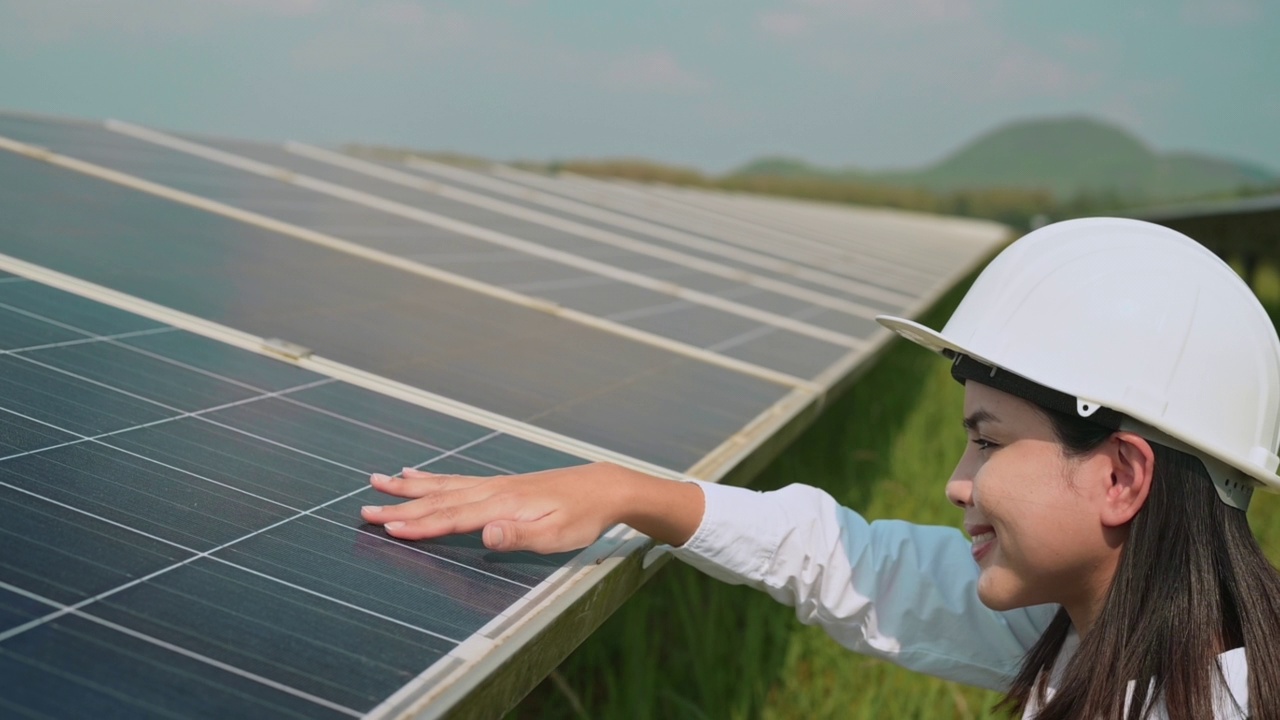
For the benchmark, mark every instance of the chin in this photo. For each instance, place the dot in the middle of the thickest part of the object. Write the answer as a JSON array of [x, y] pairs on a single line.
[[996, 599]]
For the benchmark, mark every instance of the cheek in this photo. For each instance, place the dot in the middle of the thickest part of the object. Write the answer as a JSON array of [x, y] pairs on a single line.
[[1038, 517]]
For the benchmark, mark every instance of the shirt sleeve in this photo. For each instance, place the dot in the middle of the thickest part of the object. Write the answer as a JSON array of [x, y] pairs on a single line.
[[895, 590]]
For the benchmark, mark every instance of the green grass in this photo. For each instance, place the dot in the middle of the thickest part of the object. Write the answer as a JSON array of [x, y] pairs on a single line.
[[686, 646]]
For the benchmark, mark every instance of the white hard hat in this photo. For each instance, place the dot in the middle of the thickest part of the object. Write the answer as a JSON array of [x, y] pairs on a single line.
[[1127, 316]]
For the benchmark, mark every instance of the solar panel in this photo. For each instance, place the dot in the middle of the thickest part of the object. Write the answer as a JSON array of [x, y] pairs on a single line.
[[466, 240], [185, 509], [180, 522], [604, 389]]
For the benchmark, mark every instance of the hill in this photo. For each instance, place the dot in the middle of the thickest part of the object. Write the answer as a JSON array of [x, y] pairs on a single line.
[[1068, 158]]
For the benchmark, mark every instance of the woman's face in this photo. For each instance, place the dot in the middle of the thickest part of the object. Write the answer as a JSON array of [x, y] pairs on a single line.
[[1033, 512]]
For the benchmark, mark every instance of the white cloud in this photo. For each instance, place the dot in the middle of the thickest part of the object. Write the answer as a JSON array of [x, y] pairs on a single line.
[[652, 71], [916, 12], [784, 25], [1223, 13], [1021, 71], [388, 35], [945, 48], [68, 21]]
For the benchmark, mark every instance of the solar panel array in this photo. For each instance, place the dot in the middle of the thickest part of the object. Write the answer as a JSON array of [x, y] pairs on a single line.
[[209, 344]]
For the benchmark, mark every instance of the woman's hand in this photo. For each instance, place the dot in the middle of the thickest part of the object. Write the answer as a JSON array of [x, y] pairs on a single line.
[[549, 511]]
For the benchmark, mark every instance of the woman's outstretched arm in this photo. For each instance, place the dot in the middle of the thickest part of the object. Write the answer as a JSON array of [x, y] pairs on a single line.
[[549, 511]]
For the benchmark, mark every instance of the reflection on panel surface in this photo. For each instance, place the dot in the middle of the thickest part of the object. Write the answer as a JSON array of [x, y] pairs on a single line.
[[515, 361], [453, 251], [181, 531]]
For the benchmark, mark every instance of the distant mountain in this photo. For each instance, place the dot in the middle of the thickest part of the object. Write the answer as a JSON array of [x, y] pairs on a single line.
[[1067, 157]]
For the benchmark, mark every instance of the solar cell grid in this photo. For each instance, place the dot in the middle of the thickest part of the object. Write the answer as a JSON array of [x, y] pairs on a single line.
[[545, 195], [190, 547], [547, 234], [834, 266], [309, 209], [405, 327]]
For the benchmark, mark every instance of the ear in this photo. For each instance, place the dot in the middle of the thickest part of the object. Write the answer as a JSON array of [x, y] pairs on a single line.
[[1132, 464]]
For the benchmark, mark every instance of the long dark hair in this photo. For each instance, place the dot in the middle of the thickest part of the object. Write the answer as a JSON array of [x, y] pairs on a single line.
[[1191, 583]]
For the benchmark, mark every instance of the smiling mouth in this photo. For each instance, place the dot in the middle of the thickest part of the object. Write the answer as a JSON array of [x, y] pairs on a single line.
[[982, 543]]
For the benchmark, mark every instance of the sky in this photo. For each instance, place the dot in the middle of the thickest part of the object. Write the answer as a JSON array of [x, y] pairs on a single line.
[[709, 84]]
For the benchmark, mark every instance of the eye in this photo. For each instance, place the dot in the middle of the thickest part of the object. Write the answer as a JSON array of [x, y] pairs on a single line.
[[984, 444]]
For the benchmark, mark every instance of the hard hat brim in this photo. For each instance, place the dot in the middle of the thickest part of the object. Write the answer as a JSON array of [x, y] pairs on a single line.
[[927, 338], [931, 339]]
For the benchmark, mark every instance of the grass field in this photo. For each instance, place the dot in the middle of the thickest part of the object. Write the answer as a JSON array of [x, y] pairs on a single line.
[[686, 646]]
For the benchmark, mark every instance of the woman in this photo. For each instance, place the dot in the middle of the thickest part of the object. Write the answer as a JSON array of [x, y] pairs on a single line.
[[1122, 402]]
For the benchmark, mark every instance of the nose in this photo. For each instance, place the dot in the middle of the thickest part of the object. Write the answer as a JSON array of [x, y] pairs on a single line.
[[960, 485]]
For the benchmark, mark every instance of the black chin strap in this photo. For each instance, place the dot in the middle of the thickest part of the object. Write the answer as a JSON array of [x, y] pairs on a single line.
[[964, 368]]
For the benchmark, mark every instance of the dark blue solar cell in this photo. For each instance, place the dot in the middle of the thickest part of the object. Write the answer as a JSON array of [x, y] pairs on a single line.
[[242, 461], [20, 435], [83, 314], [397, 417], [22, 331], [342, 440], [468, 549], [146, 377], [224, 360], [323, 648], [401, 583], [171, 505], [507, 451], [67, 556], [68, 403], [18, 609], [75, 668]]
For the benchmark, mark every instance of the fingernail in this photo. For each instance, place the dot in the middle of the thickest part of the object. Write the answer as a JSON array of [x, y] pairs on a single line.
[[380, 477], [408, 470], [370, 508], [394, 525], [495, 536]]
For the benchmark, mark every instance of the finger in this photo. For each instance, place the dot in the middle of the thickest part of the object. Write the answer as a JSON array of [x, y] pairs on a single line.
[[428, 504], [544, 535], [420, 484], [414, 473], [448, 520]]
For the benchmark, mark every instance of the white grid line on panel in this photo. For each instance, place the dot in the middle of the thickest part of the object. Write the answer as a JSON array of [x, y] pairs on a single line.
[[480, 233], [84, 341], [400, 263], [820, 229], [685, 239], [474, 231], [153, 423], [381, 538], [599, 235], [820, 253], [265, 394], [201, 414], [187, 653], [209, 553], [757, 333], [355, 377], [111, 339], [746, 247]]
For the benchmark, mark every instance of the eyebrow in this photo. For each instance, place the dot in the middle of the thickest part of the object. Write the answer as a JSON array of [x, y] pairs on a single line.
[[981, 416]]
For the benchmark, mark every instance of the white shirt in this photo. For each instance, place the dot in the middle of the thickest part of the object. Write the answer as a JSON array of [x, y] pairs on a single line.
[[890, 589]]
